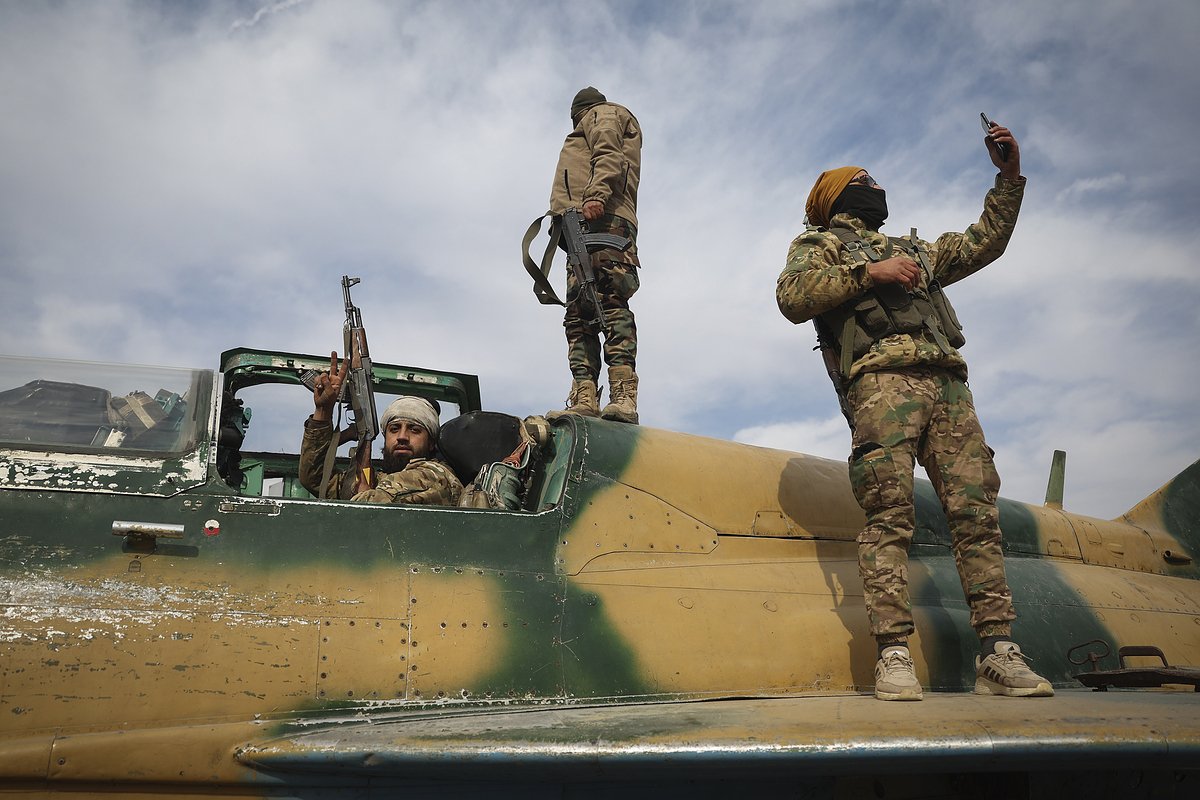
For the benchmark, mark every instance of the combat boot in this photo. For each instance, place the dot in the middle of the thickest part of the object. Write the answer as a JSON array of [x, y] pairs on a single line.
[[622, 395], [582, 400]]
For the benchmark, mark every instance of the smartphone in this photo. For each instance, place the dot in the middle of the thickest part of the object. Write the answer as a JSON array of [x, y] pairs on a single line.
[[987, 128]]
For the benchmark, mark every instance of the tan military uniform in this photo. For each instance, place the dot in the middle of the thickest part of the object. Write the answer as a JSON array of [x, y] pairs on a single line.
[[601, 160], [422, 481], [908, 402]]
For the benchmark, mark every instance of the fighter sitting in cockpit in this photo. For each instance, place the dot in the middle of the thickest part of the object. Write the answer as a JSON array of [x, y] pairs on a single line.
[[411, 472]]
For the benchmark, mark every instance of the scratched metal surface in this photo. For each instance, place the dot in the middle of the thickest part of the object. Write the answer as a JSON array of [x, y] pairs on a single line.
[[827, 735]]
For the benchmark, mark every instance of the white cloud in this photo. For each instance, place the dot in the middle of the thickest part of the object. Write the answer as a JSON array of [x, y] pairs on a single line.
[[273, 8], [828, 438], [1101, 184], [177, 180]]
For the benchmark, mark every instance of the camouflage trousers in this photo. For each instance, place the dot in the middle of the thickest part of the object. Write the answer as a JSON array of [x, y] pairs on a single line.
[[926, 414], [616, 282]]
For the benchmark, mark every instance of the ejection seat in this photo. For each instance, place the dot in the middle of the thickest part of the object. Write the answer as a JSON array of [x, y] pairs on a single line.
[[495, 455]]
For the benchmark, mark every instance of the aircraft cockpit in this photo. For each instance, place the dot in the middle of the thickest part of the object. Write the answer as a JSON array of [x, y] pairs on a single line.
[[472, 440], [160, 430]]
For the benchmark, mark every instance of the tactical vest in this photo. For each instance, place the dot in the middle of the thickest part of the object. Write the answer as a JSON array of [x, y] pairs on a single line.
[[888, 309]]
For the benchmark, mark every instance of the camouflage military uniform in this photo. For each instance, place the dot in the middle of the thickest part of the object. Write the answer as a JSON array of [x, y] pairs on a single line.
[[908, 402], [422, 481], [601, 160], [616, 281]]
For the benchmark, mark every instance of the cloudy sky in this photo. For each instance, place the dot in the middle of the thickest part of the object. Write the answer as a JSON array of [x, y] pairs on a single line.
[[180, 178]]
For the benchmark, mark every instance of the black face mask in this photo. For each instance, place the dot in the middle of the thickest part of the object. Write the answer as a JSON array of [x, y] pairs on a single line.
[[866, 203]]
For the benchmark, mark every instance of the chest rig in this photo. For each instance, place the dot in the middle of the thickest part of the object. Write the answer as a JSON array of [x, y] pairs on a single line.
[[887, 309]]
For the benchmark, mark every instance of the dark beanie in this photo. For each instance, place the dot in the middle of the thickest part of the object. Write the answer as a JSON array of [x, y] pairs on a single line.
[[585, 99]]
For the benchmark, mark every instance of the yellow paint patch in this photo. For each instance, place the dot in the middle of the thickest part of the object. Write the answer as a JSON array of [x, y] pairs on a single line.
[[113, 644], [768, 617], [1142, 609], [623, 519], [735, 488], [1055, 534], [459, 631]]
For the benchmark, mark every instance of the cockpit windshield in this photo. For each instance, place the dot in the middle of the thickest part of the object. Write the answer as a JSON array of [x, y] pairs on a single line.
[[80, 406]]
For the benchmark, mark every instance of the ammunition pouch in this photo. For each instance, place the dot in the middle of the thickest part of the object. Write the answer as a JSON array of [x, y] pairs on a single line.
[[499, 484], [945, 313], [888, 309]]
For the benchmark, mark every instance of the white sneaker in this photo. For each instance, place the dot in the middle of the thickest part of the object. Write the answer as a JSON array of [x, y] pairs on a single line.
[[894, 676], [1005, 672]]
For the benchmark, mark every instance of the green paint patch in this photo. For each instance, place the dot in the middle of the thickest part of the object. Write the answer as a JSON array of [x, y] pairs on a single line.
[[1020, 528], [531, 667], [597, 661], [1052, 617], [1181, 513]]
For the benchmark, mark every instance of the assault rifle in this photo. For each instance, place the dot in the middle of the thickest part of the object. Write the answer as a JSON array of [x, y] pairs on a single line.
[[579, 245], [357, 389]]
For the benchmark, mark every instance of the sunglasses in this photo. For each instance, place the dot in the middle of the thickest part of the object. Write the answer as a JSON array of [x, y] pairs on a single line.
[[865, 180]]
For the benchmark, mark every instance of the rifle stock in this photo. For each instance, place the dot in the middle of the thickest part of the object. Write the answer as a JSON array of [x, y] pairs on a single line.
[[828, 345]]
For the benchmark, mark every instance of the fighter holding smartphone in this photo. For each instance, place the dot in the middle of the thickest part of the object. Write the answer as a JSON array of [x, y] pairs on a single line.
[[890, 341], [1001, 147]]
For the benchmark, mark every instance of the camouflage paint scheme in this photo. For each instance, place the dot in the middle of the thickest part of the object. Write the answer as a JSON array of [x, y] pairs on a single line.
[[285, 647]]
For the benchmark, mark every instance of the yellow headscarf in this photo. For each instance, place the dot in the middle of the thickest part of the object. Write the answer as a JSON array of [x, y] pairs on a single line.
[[827, 188]]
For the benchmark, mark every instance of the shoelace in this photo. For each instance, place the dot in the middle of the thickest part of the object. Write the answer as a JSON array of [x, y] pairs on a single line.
[[897, 662], [1016, 657]]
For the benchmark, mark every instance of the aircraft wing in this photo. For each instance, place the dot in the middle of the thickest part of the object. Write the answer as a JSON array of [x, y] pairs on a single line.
[[1083, 744], [1075, 731]]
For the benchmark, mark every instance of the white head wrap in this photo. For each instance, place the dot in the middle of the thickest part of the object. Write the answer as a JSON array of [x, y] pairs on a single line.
[[413, 409]]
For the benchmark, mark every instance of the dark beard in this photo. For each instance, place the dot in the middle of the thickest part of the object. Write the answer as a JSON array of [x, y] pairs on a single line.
[[394, 463]]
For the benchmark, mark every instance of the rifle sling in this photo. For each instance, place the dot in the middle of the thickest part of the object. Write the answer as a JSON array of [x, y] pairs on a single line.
[[330, 457], [542, 288], [932, 286]]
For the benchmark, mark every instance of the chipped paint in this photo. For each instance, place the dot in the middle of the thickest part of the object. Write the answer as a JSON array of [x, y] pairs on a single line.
[[49, 590], [123, 474]]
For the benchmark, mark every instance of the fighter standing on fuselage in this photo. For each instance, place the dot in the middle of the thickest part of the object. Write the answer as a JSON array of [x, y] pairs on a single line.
[[598, 171], [890, 340]]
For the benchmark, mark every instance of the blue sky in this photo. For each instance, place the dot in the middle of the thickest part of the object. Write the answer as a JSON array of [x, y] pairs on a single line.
[[180, 179]]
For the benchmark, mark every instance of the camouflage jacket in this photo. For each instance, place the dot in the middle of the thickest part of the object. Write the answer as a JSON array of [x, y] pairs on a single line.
[[820, 276], [601, 159], [423, 481]]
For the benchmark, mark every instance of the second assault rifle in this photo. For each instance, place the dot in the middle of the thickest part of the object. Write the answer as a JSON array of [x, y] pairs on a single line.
[[569, 230], [357, 392], [579, 246]]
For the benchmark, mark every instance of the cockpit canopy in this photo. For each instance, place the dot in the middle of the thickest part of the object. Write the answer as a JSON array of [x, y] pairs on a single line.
[[101, 408]]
